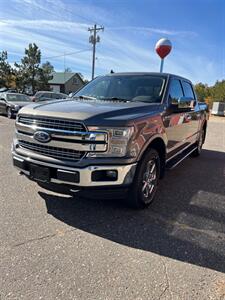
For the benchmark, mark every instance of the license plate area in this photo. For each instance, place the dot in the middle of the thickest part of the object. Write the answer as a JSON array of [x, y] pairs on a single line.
[[39, 173]]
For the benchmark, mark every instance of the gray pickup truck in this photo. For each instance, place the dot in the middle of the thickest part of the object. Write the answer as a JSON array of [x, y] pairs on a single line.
[[119, 133]]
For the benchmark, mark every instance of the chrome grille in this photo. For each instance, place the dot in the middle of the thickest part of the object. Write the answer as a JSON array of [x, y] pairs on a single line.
[[55, 152], [69, 139], [60, 124]]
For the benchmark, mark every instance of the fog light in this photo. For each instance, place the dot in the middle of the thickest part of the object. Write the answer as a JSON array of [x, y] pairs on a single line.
[[104, 175], [111, 174]]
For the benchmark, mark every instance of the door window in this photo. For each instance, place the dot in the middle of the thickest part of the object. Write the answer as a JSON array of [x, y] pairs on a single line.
[[56, 96], [188, 91], [175, 91]]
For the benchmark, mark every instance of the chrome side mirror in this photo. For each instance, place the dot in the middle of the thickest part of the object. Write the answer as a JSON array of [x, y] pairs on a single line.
[[183, 102]]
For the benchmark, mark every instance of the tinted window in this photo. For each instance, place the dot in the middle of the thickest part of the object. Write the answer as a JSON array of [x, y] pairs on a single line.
[[63, 96], [146, 88], [188, 91], [16, 97], [38, 94], [57, 96], [46, 96], [43, 96], [175, 91]]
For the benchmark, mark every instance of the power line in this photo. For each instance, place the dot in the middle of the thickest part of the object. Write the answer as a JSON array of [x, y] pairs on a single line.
[[71, 12], [80, 16], [69, 53], [93, 39]]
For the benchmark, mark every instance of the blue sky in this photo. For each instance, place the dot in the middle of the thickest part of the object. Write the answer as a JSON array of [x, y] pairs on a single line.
[[196, 29]]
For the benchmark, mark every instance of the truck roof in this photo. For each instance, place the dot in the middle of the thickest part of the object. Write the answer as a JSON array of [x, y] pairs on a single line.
[[147, 73]]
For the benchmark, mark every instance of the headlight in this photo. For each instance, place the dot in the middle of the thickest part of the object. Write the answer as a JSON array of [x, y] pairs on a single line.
[[118, 140]]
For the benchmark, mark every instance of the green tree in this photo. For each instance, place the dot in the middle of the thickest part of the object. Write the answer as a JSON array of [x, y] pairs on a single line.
[[218, 91], [45, 74], [203, 91], [28, 70], [6, 72], [30, 74], [21, 77]]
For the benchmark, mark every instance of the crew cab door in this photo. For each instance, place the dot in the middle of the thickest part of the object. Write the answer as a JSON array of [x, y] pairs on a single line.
[[192, 114], [174, 119]]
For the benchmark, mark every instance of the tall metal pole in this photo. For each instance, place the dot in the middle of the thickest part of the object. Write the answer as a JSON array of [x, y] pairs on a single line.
[[93, 57], [161, 65], [93, 40]]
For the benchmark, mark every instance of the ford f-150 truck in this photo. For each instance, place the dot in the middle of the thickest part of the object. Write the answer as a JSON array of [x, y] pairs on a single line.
[[120, 132]]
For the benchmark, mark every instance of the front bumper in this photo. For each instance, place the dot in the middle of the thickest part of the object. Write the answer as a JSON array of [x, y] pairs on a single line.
[[79, 177]]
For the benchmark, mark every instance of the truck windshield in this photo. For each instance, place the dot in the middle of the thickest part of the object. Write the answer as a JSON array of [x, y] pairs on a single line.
[[143, 88]]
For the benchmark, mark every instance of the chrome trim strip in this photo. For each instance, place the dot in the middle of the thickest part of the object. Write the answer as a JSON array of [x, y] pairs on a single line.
[[19, 159], [65, 171], [179, 152], [52, 122], [64, 145], [49, 152], [68, 134], [85, 173], [177, 163]]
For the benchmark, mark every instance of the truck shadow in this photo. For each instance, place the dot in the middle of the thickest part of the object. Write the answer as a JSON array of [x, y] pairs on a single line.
[[186, 222]]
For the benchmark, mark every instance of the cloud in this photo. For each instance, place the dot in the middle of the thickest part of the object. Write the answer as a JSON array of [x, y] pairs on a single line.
[[145, 30], [57, 30]]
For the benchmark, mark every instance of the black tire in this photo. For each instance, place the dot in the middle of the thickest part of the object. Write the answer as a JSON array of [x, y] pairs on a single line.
[[145, 184], [199, 144], [9, 113]]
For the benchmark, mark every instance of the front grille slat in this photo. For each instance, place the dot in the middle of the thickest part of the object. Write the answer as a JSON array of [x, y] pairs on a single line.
[[55, 152], [53, 123], [62, 125]]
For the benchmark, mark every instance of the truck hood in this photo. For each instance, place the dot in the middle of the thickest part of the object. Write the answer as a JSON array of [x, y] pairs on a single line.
[[92, 112]]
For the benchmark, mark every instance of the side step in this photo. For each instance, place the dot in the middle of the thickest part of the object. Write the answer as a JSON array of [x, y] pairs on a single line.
[[172, 163]]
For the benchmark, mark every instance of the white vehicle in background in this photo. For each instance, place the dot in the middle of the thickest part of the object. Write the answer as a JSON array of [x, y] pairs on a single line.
[[47, 95], [218, 109]]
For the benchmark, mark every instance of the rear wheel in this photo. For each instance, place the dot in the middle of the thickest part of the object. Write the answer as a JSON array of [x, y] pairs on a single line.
[[199, 144], [146, 181]]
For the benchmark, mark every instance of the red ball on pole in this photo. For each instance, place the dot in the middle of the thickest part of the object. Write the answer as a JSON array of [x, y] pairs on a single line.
[[163, 48]]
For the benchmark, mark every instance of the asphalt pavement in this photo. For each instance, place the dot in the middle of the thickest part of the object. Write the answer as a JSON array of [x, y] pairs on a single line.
[[55, 246]]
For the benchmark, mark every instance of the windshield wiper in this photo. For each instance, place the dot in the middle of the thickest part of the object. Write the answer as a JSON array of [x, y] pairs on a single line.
[[117, 99], [84, 97]]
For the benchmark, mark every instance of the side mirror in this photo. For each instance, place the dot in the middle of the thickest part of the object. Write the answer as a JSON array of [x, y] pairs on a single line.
[[184, 102], [2, 99]]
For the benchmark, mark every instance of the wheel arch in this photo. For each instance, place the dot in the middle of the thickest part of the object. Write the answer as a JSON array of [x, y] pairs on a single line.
[[159, 145]]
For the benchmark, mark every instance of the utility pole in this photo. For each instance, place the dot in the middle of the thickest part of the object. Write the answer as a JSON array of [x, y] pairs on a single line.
[[93, 39]]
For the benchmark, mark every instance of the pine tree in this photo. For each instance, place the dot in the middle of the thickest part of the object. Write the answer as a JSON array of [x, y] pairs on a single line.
[[6, 72]]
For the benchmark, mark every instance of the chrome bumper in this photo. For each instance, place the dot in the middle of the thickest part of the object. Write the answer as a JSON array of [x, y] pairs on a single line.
[[125, 173]]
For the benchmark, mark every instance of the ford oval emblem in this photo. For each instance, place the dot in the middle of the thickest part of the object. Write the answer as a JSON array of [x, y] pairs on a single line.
[[42, 136]]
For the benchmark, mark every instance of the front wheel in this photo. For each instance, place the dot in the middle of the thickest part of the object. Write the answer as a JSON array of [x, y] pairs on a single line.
[[9, 113], [146, 181]]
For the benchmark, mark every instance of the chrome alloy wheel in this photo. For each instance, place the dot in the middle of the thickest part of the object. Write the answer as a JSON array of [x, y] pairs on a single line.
[[9, 113], [149, 180]]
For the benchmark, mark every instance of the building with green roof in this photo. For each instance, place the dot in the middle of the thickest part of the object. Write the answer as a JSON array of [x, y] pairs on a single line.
[[65, 82]]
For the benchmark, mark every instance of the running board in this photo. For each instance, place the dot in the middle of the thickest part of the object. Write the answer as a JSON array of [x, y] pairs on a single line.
[[180, 157]]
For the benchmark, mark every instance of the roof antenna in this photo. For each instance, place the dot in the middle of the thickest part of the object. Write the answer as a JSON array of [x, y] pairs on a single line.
[[112, 72]]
